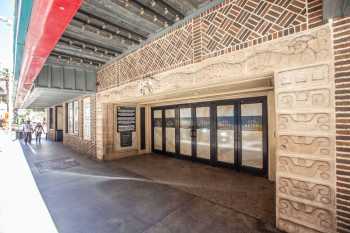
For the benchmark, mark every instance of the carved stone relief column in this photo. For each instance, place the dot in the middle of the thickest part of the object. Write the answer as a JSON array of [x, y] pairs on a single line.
[[305, 149]]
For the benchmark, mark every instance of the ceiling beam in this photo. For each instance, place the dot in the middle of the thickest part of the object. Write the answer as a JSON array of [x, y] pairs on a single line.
[[143, 12], [335, 8], [155, 11], [106, 32], [83, 53], [71, 40], [113, 12], [74, 59], [106, 25], [184, 6], [95, 38], [53, 59]]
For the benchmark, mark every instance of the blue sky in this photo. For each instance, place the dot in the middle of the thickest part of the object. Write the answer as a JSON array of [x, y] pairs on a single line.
[[6, 10]]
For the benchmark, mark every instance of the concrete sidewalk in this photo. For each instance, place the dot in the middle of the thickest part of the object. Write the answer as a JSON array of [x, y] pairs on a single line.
[[22, 208]]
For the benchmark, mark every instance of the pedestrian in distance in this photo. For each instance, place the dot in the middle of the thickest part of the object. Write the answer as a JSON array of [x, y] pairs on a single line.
[[39, 130], [27, 129]]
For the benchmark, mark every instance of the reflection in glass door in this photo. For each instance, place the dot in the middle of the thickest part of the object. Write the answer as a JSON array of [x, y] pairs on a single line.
[[185, 131], [252, 135], [225, 133], [203, 132], [158, 130], [170, 130]]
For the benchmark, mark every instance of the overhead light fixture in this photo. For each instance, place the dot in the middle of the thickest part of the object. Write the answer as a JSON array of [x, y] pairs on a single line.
[[166, 11], [142, 11]]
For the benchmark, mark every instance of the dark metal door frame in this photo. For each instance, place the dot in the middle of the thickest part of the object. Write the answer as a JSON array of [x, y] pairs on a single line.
[[213, 133]]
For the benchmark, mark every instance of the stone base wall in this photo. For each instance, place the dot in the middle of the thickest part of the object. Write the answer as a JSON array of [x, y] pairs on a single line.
[[80, 145]]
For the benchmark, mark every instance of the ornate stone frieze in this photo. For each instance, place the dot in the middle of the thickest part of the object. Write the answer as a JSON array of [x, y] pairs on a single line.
[[318, 218], [305, 190], [288, 144], [316, 75], [317, 98], [292, 227], [305, 167], [309, 122]]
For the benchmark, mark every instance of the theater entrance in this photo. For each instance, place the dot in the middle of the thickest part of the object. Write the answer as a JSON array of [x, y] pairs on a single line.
[[230, 133]]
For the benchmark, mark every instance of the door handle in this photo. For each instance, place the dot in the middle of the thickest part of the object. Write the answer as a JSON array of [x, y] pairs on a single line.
[[193, 133]]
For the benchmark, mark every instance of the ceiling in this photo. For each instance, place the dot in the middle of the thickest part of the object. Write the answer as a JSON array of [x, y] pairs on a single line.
[[104, 29]]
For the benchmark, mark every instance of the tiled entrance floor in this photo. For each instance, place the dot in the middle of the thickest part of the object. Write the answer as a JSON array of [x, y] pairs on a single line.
[[148, 194]]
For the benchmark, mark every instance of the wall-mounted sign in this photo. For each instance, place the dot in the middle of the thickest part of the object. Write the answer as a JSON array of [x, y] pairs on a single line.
[[126, 119], [126, 139]]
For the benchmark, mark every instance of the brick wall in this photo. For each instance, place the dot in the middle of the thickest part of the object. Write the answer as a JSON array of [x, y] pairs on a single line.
[[341, 39], [315, 17], [227, 27], [76, 141]]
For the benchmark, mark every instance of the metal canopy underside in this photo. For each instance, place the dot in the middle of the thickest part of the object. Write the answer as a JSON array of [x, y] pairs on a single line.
[[41, 97], [104, 29]]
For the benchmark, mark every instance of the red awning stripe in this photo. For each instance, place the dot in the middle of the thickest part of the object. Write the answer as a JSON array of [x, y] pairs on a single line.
[[49, 20]]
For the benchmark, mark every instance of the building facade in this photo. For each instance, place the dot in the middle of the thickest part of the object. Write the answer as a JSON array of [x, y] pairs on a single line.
[[257, 86]]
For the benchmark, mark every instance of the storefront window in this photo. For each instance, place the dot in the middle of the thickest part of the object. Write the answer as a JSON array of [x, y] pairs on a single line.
[[76, 116], [87, 119], [70, 118]]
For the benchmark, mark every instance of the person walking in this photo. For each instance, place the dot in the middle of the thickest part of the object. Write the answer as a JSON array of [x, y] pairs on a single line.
[[27, 129], [39, 129]]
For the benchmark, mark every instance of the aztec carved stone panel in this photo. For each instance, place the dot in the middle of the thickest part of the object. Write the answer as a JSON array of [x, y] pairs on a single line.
[[288, 144], [309, 122], [319, 98], [291, 227], [314, 217], [317, 75], [305, 167], [305, 190]]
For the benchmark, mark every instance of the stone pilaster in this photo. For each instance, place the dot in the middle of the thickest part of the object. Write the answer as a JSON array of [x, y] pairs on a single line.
[[305, 149]]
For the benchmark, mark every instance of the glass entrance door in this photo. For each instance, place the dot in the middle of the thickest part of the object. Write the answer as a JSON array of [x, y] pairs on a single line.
[[202, 132], [232, 133], [225, 133], [186, 124], [253, 136]]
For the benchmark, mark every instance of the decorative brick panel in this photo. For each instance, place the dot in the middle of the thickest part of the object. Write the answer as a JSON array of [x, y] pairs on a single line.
[[227, 27], [341, 39], [315, 17], [245, 20]]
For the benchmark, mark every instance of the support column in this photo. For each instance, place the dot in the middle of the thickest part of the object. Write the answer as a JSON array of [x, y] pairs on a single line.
[[305, 185]]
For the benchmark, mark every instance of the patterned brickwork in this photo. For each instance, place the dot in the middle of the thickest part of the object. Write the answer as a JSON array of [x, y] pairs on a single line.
[[229, 26], [341, 38], [165, 53], [315, 17], [246, 20]]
